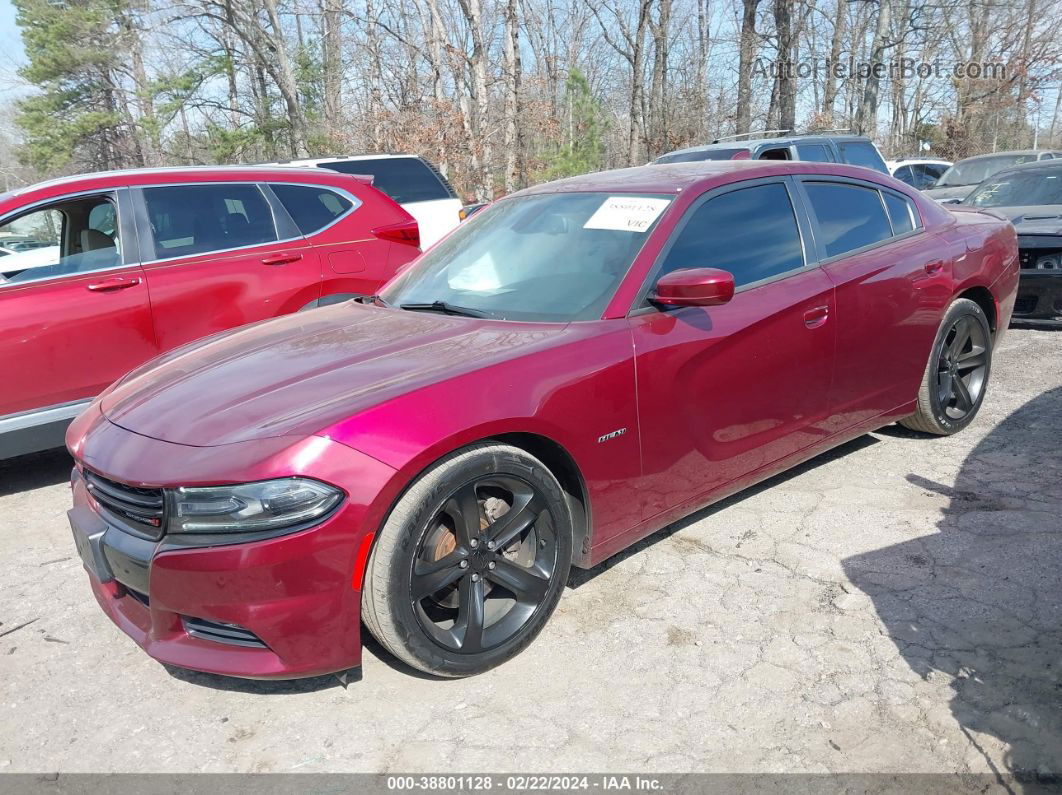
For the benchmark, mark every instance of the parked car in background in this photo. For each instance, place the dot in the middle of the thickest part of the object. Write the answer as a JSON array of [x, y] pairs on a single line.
[[125, 265], [958, 182], [852, 149], [1030, 196], [583, 363], [411, 181], [918, 172]]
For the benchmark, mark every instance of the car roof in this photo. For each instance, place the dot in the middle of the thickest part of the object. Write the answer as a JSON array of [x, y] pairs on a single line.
[[1034, 165], [1010, 153], [667, 178], [746, 143], [146, 176], [344, 158]]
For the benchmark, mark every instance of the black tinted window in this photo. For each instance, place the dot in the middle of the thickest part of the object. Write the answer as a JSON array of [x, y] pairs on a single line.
[[311, 208], [849, 217], [195, 219], [817, 153], [860, 153], [751, 232], [901, 213], [404, 179]]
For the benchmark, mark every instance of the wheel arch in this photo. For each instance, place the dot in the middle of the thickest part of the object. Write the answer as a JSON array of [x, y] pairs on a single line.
[[983, 297]]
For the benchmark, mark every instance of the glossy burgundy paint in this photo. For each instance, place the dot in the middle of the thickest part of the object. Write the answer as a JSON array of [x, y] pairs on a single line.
[[67, 337], [694, 287], [709, 400]]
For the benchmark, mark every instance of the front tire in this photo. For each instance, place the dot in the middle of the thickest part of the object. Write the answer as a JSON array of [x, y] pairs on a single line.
[[470, 563], [956, 377]]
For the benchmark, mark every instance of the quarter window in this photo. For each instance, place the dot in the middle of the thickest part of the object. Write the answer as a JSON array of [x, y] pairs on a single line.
[[750, 232], [195, 219], [63, 239], [816, 153], [849, 216], [311, 208], [404, 179], [901, 212]]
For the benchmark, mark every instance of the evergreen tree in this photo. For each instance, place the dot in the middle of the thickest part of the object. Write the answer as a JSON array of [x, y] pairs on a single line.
[[583, 149]]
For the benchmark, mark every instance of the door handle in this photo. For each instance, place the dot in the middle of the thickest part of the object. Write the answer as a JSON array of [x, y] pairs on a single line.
[[114, 283], [814, 318], [933, 268], [281, 259]]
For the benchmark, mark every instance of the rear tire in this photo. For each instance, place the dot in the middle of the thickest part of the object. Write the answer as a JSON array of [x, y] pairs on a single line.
[[956, 376], [470, 563]]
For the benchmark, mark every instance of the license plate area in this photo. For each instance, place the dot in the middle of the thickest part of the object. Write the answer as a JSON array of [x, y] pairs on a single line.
[[88, 530]]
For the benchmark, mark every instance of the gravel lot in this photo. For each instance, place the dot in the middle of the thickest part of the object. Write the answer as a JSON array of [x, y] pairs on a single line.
[[895, 605]]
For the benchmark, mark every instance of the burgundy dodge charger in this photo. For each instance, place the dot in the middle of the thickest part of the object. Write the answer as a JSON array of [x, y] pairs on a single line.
[[580, 364]]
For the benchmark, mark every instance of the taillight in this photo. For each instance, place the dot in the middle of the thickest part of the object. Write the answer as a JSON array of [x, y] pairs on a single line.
[[403, 232]]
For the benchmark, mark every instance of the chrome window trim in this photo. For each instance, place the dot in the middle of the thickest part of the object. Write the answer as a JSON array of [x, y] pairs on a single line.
[[33, 417], [112, 195]]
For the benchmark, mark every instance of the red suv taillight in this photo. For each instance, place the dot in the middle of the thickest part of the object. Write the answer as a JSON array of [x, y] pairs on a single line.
[[403, 232]]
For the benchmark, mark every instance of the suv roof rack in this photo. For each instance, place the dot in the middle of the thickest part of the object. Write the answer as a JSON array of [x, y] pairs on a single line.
[[745, 134]]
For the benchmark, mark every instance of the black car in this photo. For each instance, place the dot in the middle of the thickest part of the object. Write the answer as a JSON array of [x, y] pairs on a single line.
[[855, 150], [1030, 196]]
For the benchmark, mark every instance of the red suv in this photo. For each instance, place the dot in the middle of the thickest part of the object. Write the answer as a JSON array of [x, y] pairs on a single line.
[[108, 270]]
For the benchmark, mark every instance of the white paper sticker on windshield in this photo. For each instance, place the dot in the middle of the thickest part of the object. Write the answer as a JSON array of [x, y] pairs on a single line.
[[626, 213]]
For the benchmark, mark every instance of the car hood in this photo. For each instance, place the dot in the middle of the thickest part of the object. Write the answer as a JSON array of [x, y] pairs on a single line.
[[958, 192], [1045, 219], [304, 372]]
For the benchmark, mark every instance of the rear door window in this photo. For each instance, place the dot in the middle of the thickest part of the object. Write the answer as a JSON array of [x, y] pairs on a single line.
[[750, 232], [905, 174], [196, 219], [862, 153], [849, 216], [404, 179], [310, 207]]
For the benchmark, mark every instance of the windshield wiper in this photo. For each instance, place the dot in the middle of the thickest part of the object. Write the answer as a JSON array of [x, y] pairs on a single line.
[[443, 306]]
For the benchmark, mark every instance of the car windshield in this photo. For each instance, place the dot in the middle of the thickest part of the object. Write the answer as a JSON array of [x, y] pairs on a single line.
[[972, 172], [552, 257], [1019, 188]]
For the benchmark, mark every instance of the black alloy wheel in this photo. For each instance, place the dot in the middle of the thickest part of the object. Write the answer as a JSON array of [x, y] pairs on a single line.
[[962, 367], [484, 564], [471, 562]]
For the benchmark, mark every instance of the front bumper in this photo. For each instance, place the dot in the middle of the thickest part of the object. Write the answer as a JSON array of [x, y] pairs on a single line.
[[282, 608], [1039, 300]]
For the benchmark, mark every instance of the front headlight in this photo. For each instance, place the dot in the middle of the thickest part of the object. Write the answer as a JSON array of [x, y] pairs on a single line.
[[1049, 262], [250, 507]]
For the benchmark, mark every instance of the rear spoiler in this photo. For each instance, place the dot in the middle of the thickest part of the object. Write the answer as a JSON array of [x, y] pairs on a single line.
[[364, 179]]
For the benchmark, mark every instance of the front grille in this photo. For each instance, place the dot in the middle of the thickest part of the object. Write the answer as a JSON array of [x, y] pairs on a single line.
[[1025, 304], [143, 509], [140, 597], [232, 634]]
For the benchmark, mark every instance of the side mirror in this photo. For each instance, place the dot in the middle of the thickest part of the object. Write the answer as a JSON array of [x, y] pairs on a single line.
[[694, 287]]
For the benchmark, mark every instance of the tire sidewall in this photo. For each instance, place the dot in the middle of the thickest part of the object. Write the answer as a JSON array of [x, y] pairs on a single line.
[[443, 481], [961, 307]]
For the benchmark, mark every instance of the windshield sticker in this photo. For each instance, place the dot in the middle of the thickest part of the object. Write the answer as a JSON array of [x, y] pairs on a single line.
[[626, 213]]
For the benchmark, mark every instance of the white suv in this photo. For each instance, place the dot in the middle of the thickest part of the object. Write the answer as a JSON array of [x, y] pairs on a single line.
[[411, 181]]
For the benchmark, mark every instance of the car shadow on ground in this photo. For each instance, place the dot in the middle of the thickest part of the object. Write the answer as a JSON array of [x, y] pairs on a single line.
[[34, 471], [580, 577], [979, 604]]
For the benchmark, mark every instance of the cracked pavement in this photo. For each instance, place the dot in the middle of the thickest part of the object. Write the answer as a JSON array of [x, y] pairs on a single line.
[[892, 606]]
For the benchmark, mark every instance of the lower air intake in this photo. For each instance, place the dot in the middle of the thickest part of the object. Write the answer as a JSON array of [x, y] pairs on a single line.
[[232, 634]]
